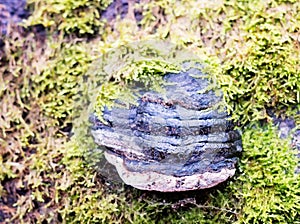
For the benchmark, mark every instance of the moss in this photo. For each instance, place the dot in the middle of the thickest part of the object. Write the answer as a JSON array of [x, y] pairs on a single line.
[[82, 17], [268, 186], [57, 83], [264, 71]]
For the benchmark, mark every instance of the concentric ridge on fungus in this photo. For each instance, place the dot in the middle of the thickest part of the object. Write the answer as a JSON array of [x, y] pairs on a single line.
[[178, 139]]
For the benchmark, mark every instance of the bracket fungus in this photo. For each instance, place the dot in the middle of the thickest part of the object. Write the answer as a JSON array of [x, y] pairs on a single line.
[[177, 139]]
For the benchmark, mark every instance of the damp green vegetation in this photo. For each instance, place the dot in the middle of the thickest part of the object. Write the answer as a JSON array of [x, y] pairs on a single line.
[[66, 65], [265, 65], [71, 17], [268, 184], [250, 47]]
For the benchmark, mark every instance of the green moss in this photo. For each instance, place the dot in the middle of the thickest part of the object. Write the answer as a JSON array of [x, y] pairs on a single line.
[[268, 186], [263, 72], [57, 86], [69, 16]]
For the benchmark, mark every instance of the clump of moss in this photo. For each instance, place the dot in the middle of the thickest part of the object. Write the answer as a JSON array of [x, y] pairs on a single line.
[[82, 17], [56, 86], [267, 186], [263, 72]]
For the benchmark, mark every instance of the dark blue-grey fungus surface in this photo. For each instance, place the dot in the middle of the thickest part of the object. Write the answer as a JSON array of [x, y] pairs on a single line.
[[177, 139]]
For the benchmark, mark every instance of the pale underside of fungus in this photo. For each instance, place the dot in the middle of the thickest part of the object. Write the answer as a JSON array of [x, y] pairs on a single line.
[[177, 139]]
